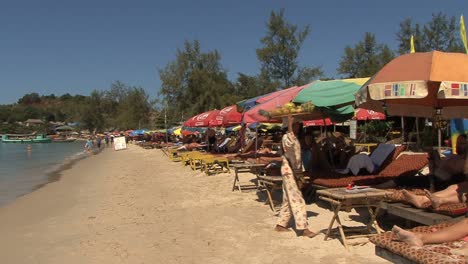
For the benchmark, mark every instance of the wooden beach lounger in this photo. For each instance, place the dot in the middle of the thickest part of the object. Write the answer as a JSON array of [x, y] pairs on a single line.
[[404, 165]]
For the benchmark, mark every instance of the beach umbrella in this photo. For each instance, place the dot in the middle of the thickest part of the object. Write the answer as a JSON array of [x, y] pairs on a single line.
[[333, 98], [317, 122], [137, 132], [247, 104], [426, 84], [365, 114], [202, 120], [228, 116], [256, 113]]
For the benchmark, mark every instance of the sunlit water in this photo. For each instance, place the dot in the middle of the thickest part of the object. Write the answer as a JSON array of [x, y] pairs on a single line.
[[22, 171]]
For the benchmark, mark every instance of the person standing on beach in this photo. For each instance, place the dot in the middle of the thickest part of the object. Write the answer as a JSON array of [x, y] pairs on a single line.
[[98, 142], [88, 145], [293, 203]]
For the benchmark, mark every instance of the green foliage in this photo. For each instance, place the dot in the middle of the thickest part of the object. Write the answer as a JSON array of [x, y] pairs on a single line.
[[122, 107], [194, 82], [365, 58], [279, 55], [441, 33]]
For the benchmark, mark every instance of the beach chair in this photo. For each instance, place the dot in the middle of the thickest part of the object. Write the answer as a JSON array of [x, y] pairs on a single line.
[[195, 160], [212, 164], [404, 165]]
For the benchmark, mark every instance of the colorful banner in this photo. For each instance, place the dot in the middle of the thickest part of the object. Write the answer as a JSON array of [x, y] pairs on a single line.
[[398, 90], [456, 90]]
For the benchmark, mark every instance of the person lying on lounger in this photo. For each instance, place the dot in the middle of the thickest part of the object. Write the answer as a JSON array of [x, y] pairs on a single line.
[[191, 146], [458, 231], [453, 194]]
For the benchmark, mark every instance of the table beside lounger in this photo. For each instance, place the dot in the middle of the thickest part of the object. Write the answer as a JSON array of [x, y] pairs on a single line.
[[369, 146], [243, 168], [341, 199]]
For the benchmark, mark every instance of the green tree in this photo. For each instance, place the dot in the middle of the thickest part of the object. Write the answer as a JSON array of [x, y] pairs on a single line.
[[440, 33], [194, 82], [365, 58], [93, 118], [32, 98], [134, 109], [279, 55]]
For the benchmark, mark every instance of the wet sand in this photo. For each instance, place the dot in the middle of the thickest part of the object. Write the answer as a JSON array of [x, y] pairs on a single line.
[[136, 206]]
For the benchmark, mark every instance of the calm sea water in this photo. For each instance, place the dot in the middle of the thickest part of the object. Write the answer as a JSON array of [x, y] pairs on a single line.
[[22, 172]]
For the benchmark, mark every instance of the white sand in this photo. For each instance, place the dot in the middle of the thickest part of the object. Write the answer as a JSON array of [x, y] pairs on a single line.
[[136, 206]]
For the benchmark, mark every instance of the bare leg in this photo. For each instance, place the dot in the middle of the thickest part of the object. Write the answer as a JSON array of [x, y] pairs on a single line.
[[451, 233], [411, 238], [416, 200]]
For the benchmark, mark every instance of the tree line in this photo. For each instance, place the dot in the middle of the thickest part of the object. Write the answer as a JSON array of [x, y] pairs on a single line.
[[196, 81]]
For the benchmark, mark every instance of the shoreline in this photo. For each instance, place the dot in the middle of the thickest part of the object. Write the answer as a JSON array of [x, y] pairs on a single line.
[[136, 206], [56, 173]]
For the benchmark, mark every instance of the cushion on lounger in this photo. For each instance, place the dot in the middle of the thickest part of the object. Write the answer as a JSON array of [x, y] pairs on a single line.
[[428, 254], [405, 165]]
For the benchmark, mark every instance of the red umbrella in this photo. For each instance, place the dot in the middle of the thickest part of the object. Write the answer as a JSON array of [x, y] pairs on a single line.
[[252, 115], [227, 116], [364, 114], [202, 120], [317, 122], [272, 95]]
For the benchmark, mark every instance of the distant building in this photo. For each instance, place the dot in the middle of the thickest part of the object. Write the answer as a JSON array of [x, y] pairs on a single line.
[[33, 122]]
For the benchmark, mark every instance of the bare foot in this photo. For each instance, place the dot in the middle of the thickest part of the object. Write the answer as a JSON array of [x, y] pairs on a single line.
[[435, 201], [416, 200], [308, 233], [281, 228], [407, 236], [460, 251]]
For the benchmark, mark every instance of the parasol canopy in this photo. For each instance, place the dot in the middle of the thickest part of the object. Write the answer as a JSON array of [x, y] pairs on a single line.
[[282, 97], [332, 98], [202, 120], [317, 122], [418, 84], [365, 114], [227, 116]]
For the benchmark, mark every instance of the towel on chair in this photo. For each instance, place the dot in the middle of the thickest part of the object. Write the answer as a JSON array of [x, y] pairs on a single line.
[[371, 163]]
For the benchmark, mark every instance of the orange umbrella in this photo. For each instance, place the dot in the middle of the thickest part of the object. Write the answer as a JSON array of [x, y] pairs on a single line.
[[418, 84]]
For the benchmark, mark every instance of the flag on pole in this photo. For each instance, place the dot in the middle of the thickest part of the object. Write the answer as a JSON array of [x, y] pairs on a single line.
[[463, 33], [412, 45]]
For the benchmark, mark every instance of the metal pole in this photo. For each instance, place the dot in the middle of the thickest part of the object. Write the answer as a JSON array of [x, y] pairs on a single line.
[[403, 128], [165, 122]]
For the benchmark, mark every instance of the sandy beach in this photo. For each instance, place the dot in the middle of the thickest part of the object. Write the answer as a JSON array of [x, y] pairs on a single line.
[[136, 206]]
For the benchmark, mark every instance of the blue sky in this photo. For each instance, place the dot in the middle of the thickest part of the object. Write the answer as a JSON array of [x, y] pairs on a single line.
[[75, 47]]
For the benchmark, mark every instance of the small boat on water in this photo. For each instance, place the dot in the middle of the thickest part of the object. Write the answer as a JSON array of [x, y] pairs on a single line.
[[25, 138]]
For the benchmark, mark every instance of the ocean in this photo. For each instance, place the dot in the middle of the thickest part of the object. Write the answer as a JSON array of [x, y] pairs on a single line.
[[23, 171]]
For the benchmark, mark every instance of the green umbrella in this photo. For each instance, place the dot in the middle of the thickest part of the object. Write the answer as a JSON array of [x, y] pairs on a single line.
[[333, 98]]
